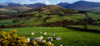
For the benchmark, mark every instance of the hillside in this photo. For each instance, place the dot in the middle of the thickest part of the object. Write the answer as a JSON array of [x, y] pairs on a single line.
[[52, 10], [83, 5], [49, 14], [62, 4]]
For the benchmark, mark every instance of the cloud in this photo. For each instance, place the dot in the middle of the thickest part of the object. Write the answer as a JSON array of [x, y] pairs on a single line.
[[23, 2], [93, 0], [59, 1], [47, 2]]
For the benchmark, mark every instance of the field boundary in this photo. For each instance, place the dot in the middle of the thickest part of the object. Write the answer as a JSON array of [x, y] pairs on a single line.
[[87, 30]]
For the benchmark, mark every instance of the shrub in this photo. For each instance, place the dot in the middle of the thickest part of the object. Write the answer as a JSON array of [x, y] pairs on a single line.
[[11, 39]]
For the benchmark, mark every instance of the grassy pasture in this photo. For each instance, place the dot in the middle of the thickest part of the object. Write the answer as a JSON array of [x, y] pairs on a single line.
[[94, 16], [6, 22], [69, 36], [91, 27]]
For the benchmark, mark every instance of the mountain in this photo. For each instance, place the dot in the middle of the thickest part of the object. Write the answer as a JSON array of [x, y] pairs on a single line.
[[14, 4], [62, 4], [52, 10], [19, 7], [3, 5], [36, 5], [83, 5]]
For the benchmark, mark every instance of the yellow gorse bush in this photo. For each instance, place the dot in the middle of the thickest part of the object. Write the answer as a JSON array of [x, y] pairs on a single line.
[[11, 39]]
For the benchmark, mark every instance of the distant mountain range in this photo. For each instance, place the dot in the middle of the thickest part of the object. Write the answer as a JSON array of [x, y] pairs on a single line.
[[19, 7], [62, 4], [81, 5]]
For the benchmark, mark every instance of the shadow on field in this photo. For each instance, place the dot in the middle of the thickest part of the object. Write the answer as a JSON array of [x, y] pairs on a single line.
[[95, 31]]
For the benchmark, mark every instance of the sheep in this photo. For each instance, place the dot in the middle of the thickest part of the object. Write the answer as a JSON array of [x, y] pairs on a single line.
[[43, 40], [38, 38], [39, 32], [61, 45], [58, 38], [44, 33], [41, 37], [49, 42], [53, 34], [28, 39], [49, 39], [32, 33]]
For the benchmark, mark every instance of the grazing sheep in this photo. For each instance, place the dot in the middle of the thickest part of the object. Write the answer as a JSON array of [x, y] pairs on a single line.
[[44, 33], [38, 38], [43, 40], [49, 42], [28, 39], [53, 44], [39, 32], [53, 34], [49, 39], [41, 37], [61, 45], [58, 38], [32, 33]]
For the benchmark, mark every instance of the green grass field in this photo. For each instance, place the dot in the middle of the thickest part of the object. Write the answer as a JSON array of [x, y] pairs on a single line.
[[91, 27], [69, 37], [6, 22], [94, 16], [10, 21]]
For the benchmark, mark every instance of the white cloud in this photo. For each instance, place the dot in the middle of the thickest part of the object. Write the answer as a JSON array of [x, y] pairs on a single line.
[[47, 2], [23, 1], [59, 1], [93, 0]]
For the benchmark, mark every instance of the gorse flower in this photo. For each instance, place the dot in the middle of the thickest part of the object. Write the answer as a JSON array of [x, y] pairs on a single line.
[[11, 39]]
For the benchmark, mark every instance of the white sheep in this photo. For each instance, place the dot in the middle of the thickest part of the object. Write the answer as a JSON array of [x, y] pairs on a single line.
[[53, 34], [49, 42], [38, 38], [44, 33], [41, 37], [61, 45], [58, 38], [53, 44], [43, 40], [28, 39], [32, 33], [49, 39], [39, 32]]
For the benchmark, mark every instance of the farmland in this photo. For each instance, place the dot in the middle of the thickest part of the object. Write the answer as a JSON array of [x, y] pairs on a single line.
[[54, 19], [69, 36]]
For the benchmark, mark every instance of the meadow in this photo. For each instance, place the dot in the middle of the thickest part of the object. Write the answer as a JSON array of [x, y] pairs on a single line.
[[90, 27], [70, 37]]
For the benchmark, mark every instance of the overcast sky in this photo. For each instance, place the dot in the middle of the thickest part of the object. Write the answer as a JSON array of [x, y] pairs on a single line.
[[42, 1]]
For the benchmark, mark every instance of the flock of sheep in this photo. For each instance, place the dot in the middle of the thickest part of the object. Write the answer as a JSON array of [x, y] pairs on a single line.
[[40, 38]]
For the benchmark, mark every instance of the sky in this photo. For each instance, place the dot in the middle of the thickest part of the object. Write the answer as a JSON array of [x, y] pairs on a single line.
[[48, 2]]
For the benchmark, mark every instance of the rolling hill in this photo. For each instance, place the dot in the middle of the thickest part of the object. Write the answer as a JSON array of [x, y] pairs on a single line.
[[49, 14], [82, 5]]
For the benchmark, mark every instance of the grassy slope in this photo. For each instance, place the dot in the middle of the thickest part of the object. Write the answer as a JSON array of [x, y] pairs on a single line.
[[69, 36], [6, 22], [37, 21], [92, 27], [94, 16], [10, 21]]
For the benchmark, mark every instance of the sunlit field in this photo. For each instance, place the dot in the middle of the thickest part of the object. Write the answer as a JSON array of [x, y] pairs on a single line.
[[69, 37]]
